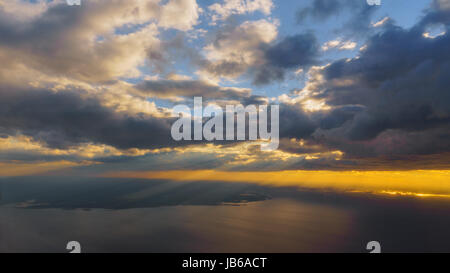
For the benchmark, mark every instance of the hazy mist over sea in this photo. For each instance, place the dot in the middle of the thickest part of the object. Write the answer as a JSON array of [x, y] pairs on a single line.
[[117, 215]]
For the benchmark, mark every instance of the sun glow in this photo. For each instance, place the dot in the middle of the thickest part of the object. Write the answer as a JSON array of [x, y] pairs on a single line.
[[421, 183], [400, 193]]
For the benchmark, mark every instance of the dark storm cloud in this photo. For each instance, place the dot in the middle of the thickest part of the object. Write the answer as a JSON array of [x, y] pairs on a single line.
[[359, 14], [401, 83], [294, 51], [294, 122], [438, 13], [27, 156], [338, 116], [360, 23], [320, 9], [401, 78], [64, 119], [291, 53]]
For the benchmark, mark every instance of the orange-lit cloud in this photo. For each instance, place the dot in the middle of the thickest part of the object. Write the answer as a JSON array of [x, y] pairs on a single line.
[[36, 168]]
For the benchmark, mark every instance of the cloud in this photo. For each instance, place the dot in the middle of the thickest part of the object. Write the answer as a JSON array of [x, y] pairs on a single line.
[[339, 44], [441, 4], [294, 122], [95, 42], [179, 14], [230, 7], [251, 49], [291, 54], [24, 10], [36, 168], [79, 43], [319, 10], [65, 119], [25, 149], [359, 14], [381, 22], [237, 48], [392, 95], [63, 95], [190, 88], [438, 13]]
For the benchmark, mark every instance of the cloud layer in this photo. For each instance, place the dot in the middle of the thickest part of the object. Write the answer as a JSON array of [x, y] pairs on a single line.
[[102, 76]]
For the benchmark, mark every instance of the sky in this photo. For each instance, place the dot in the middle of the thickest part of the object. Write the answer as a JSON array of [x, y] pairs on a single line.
[[363, 90]]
